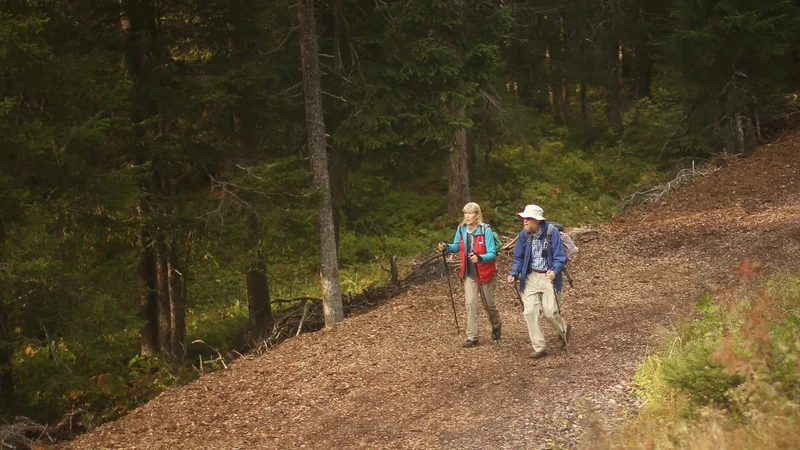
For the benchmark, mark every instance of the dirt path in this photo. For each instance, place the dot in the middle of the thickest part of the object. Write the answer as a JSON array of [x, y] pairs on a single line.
[[396, 377]]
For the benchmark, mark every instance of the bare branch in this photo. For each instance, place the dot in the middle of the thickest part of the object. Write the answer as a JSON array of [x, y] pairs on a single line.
[[283, 42]]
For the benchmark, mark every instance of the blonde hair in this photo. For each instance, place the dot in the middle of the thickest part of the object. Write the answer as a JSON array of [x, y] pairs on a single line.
[[473, 207]]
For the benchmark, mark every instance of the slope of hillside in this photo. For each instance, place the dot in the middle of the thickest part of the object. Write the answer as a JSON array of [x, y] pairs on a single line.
[[396, 377]]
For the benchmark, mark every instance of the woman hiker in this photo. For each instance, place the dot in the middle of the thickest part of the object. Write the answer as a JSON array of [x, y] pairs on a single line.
[[474, 241]]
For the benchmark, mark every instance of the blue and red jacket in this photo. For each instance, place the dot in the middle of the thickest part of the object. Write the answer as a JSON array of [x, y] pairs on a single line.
[[485, 248]]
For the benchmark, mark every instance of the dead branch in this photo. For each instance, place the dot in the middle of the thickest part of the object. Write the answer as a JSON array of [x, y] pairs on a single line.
[[23, 433], [65, 427], [510, 244], [51, 345], [296, 300], [663, 190], [220, 359], [303, 318], [392, 270]]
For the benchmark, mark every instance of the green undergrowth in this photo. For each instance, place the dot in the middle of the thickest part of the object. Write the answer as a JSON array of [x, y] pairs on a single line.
[[728, 380]]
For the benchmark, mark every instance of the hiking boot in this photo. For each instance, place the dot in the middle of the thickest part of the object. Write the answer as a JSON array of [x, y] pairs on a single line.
[[470, 343], [563, 340], [540, 354], [496, 332]]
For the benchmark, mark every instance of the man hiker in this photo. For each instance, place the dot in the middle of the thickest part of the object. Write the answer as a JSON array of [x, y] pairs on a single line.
[[538, 262], [474, 241]]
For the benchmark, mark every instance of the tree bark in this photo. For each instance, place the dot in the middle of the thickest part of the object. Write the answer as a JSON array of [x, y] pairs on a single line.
[[148, 302], [332, 307], [163, 313], [138, 25], [613, 89], [584, 105], [564, 111], [458, 176], [621, 68], [339, 34], [644, 72], [6, 359], [551, 95], [472, 155], [739, 133], [6, 349], [164, 308], [258, 299], [177, 303]]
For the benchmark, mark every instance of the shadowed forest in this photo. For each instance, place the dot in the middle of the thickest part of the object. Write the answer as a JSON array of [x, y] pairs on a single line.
[[183, 182]]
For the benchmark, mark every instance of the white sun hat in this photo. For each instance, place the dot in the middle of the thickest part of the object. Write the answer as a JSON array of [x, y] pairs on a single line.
[[532, 212]]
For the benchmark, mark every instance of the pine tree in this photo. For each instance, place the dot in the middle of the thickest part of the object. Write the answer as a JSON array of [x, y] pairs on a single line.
[[315, 127], [736, 61]]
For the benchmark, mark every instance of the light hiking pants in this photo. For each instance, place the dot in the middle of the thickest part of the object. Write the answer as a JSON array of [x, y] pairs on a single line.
[[540, 296], [474, 304]]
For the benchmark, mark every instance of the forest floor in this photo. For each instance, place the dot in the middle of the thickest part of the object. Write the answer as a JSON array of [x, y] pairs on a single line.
[[397, 377]]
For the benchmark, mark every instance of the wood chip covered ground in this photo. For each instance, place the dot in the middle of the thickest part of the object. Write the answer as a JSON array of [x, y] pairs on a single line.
[[397, 377]]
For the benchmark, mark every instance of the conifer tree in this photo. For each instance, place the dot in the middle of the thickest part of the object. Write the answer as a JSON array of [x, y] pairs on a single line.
[[317, 145]]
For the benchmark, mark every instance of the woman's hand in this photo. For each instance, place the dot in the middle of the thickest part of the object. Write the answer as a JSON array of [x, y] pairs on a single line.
[[442, 246]]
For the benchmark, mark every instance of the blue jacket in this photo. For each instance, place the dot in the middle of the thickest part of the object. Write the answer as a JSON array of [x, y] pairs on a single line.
[[556, 256]]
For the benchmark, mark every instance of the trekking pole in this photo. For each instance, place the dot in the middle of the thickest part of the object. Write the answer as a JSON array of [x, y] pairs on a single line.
[[568, 277], [519, 296], [484, 301], [563, 321], [452, 300]]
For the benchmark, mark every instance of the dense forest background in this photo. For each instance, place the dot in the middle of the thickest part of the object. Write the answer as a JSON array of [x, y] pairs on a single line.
[[160, 159]]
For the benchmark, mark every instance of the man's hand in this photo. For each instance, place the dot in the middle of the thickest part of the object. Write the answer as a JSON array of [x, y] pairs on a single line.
[[442, 246], [551, 275], [511, 279], [474, 258]]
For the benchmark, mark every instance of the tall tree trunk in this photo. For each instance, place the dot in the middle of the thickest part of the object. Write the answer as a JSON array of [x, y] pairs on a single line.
[[177, 303], [6, 359], [564, 110], [6, 348], [148, 302], [472, 152], [644, 72], [740, 140], [163, 312], [621, 68], [584, 105], [339, 34], [159, 257], [551, 95], [541, 25], [138, 25], [315, 126], [258, 299], [458, 176], [613, 89], [171, 304]]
